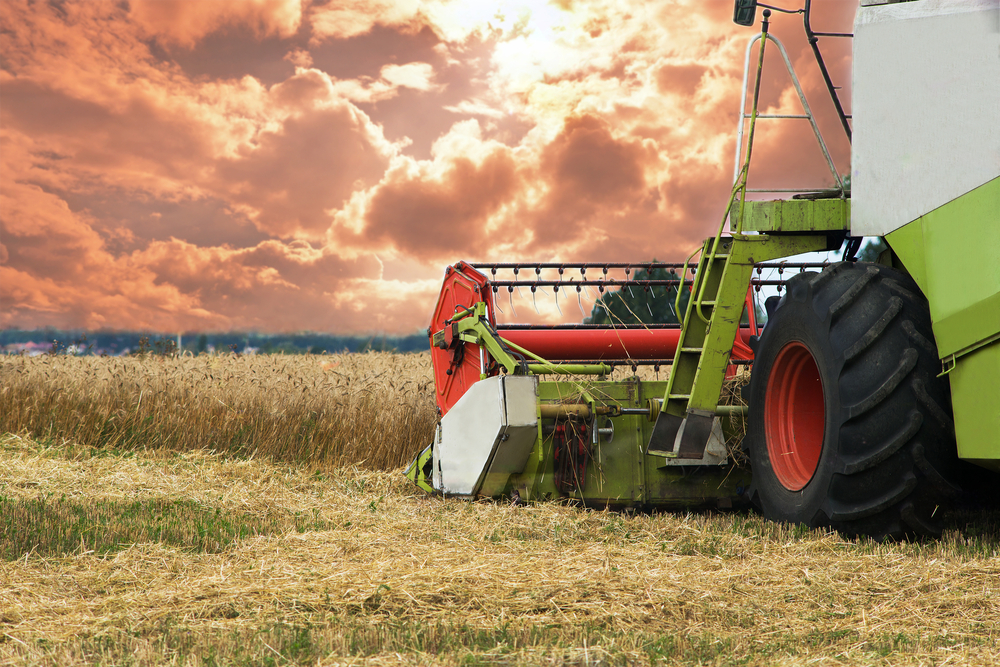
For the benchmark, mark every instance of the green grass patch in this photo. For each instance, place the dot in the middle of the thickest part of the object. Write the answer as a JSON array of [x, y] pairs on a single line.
[[48, 526]]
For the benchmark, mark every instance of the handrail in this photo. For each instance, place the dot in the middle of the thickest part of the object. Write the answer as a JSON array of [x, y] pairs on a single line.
[[741, 182], [802, 100]]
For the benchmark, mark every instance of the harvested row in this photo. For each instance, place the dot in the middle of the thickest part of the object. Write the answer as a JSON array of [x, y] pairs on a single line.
[[380, 573]]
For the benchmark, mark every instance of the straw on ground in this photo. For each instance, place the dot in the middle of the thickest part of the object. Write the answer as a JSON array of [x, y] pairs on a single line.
[[384, 573]]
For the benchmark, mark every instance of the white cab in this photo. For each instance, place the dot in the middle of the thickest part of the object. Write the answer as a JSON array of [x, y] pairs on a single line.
[[926, 107]]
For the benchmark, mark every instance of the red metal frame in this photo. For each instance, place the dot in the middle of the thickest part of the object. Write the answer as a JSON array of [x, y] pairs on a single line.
[[458, 367], [463, 286]]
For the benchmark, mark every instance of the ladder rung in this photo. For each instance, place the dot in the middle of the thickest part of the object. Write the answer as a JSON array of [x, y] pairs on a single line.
[[692, 349], [704, 303], [680, 396]]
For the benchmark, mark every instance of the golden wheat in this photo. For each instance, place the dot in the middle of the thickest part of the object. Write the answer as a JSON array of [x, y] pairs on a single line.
[[375, 410]]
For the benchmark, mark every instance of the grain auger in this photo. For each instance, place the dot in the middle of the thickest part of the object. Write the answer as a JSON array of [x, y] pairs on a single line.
[[871, 382]]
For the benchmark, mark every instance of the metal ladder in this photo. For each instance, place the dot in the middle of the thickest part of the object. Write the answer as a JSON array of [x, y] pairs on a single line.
[[686, 416], [711, 320]]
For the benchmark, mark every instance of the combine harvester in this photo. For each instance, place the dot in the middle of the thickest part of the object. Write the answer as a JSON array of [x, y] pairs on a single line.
[[870, 381]]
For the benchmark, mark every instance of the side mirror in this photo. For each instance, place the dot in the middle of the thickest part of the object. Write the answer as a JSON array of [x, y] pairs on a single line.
[[745, 12]]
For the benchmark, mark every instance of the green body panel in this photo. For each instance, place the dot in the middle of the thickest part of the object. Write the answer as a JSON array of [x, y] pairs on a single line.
[[953, 253], [975, 400], [620, 474], [794, 215], [967, 330]]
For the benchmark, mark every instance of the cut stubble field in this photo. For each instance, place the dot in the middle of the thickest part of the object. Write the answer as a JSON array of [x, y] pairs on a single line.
[[170, 550]]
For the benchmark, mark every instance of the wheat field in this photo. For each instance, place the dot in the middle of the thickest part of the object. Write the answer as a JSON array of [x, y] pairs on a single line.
[[374, 410], [251, 511]]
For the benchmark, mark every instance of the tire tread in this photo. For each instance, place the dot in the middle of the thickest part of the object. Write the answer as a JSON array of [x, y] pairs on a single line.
[[895, 460]]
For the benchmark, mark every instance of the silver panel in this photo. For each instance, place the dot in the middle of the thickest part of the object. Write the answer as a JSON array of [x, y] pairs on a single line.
[[492, 427]]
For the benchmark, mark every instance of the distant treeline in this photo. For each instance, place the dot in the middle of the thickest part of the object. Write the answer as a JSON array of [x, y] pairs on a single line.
[[132, 342]]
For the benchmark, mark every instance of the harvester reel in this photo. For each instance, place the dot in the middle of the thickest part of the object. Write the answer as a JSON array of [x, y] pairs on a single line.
[[849, 425]]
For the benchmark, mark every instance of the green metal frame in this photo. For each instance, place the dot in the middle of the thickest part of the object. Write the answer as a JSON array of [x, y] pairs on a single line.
[[473, 327], [415, 471], [795, 216], [620, 473], [710, 325]]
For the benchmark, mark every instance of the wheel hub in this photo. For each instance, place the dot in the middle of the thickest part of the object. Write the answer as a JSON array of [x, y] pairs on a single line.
[[795, 417]]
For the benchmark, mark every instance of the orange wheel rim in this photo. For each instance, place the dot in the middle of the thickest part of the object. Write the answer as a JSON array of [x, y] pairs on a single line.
[[794, 416]]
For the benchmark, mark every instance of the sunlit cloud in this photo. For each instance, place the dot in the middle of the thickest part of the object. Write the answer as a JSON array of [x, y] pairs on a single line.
[[284, 164], [184, 23]]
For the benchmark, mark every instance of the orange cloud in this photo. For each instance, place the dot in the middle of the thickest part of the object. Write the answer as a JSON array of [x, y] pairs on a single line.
[[184, 23], [282, 164], [350, 18]]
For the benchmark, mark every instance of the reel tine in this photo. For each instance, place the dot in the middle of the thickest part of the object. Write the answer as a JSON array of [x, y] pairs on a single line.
[[518, 287], [583, 277], [496, 301], [579, 300], [538, 276], [533, 302], [557, 304], [510, 298], [649, 309]]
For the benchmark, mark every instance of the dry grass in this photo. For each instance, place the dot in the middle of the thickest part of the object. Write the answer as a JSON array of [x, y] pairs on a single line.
[[391, 576], [205, 511], [375, 410]]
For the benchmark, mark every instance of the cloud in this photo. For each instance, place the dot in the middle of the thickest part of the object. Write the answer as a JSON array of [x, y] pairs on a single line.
[[274, 286], [434, 209], [308, 164], [418, 76], [153, 175], [184, 23], [350, 18], [474, 107], [300, 58]]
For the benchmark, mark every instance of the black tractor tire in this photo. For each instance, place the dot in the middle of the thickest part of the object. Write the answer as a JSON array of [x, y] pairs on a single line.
[[849, 425]]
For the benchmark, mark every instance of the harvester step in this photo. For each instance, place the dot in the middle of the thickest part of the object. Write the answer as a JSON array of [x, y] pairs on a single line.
[[679, 396], [694, 350]]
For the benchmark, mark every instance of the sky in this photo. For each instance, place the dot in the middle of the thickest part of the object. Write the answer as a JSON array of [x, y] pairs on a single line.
[[290, 165]]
